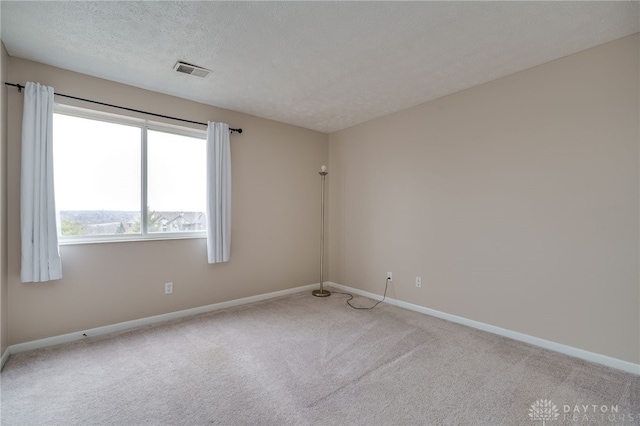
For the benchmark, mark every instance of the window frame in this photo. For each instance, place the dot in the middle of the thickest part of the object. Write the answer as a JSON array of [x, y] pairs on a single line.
[[144, 125]]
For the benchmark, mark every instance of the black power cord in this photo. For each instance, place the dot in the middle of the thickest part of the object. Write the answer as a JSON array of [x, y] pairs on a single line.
[[386, 284]]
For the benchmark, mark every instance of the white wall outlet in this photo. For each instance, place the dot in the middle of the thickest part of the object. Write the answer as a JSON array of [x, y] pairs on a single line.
[[418, 282], [389, 276], [168, 288]]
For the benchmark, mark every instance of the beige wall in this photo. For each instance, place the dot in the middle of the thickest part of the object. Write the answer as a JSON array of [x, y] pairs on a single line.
[[275, 217], [515, 201], [4, 323]]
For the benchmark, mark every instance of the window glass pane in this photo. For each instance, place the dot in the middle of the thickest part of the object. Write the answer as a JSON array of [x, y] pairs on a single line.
[[176, 182], [96, 176]]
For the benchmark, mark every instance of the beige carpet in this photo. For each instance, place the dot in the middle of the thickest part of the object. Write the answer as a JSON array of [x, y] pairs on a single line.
[[301, 360]]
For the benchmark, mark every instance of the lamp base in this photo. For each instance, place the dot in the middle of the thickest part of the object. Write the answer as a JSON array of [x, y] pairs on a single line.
[[321, 293]]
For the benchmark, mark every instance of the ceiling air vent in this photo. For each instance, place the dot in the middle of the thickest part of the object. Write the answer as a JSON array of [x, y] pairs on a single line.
[[186, 68]]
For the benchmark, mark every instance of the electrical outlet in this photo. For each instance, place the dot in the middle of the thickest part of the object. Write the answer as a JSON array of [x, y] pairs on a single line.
[[389, 276], [418, 282], [168, 288]]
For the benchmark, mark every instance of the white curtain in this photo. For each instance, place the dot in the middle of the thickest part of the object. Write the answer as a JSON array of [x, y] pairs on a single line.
[[40, 252], [218, 193]]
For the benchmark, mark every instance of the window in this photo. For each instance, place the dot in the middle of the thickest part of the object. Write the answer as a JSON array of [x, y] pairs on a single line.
[[121, 178]]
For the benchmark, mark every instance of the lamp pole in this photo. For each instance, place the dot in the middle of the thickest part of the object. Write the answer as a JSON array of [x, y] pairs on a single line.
[[322, 292]]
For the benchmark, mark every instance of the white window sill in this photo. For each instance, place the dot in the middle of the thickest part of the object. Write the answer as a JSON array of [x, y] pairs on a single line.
[[115, 239]]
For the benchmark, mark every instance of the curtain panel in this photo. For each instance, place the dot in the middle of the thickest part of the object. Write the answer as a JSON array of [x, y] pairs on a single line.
[[218, 193], [39, 235]]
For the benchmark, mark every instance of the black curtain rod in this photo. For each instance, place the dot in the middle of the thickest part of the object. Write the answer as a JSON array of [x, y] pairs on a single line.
[[20, 87]]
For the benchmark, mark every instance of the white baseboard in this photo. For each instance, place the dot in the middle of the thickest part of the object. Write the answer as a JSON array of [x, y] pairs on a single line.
[[547, 344], [4, 358], [71, 337]]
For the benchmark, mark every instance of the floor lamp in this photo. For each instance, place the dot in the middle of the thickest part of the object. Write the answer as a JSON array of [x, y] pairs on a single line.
[[322, 292]]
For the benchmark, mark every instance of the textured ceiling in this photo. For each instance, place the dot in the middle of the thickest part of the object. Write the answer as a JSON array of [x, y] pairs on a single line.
[[321, 65]]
